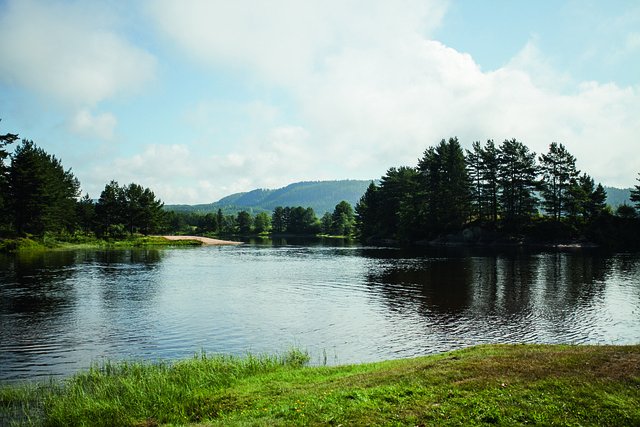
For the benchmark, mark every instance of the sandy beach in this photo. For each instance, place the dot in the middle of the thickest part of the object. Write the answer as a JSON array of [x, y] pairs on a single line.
[[205, 240]]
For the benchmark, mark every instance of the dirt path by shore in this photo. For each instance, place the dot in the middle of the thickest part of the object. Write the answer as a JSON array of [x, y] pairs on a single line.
[[205, 240]]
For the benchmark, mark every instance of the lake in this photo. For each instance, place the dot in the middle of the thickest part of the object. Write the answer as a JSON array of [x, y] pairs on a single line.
[[345, 303]]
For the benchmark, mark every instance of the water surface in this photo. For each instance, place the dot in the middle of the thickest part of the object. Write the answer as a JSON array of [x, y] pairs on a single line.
[[345, 303]]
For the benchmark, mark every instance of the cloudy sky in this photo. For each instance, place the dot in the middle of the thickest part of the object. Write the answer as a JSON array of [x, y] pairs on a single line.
[[201, 99]]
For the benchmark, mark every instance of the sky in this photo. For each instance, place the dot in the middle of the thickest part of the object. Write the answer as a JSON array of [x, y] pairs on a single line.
[[199, 99]]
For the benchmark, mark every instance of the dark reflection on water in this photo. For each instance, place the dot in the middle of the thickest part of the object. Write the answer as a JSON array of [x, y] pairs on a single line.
[[59, 311]]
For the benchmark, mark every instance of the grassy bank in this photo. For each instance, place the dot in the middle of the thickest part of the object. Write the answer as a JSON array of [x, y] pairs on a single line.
[[53, 241], [486, 385]]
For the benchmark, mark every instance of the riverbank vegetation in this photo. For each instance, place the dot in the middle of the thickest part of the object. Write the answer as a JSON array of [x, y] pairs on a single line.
[[485, 385], [489, 193], [500, 191], [61, 241]]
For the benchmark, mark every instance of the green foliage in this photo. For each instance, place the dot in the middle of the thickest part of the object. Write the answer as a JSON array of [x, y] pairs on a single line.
[[278, 219], [491, 384], [445, 185], [517, 173], [494, 188], [626, 211], [635, 195], [5, 140], [244, 222], [130, 208], [366, 212], [262, 222], [41, 194], [559, 171], [342, 219], [207, 223], [483, 165]]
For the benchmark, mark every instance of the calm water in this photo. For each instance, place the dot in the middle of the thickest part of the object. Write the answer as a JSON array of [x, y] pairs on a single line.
[[59, 311]]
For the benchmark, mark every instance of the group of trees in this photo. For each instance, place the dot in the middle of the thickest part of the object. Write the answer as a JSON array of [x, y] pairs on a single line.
[[505, 187], [36, 192], [38, 195], [292, 220], [495, 187], [120, 210]]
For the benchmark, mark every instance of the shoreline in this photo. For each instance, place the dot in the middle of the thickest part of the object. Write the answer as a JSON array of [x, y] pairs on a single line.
[[206, 241]]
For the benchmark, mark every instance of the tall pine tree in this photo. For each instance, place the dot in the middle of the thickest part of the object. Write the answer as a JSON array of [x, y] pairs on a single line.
[[42, 194]]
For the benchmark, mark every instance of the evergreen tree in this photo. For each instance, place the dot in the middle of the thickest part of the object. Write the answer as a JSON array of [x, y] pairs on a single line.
[[626, 211], [395, 187], [517, 183], [109, 210], [151, 217], [635, 195], [366, 212], [490, 178], [327, 222], [131, 207], [444, 187], [559, 172], [86, 213], [262, 222], [342, 219], [208, 223], [229, 224], [475, 168], [278, 219], [594, 201], [244, 222], [176, 222], [5, 140], [220, 219], [42, 194]]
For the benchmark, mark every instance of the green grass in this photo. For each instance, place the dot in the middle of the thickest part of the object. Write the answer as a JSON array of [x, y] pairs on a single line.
[[51, 241], [486, 385]]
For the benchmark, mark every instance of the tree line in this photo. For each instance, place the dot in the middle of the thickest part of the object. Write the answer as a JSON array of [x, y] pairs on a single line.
[[507, 188], [290, 220], [38, 195]]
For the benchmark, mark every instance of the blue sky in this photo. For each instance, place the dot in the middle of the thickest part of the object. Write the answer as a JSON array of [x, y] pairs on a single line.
[[201, 99]]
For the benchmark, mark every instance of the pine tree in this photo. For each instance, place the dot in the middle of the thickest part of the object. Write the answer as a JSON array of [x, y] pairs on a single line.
[[42, 194], [559, 173], [635, 195], [517, 183], [444, 187], [5, 140], [109, 210], [366, 212]]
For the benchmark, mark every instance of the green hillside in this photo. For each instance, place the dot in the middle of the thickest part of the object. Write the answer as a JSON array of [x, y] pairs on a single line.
[[618, 196], [322, 196]]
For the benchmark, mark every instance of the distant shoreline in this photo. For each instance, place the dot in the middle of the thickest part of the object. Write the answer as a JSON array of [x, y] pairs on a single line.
[[206, 241]]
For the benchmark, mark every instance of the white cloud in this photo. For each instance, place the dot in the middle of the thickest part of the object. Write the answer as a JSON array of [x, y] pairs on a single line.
[[181, 174], [285, 40], [370, 91], [69, 51], [84, 124], [373, 92]]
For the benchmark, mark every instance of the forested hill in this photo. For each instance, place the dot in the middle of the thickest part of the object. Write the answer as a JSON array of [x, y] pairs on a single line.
[[322, 196], [618, 196]]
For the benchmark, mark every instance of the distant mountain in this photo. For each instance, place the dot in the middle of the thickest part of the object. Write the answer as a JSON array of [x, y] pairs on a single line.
[[618, 196], [322, 196]]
